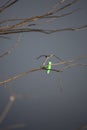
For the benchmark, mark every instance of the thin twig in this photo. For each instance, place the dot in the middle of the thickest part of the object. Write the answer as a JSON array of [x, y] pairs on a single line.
[[7, 4], [19, 75], [26, 73]]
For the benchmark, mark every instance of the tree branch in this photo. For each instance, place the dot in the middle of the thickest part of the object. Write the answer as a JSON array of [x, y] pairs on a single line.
[[19, 27], [7, 4], [49, 31]]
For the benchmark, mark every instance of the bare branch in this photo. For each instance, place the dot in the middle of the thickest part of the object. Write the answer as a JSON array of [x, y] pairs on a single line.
[[12, 31], [19, 26], [7, 4], [10, 20], [63, 7], [19, 75], [68, 64], [26, 73], [53, 17], [63, 15]]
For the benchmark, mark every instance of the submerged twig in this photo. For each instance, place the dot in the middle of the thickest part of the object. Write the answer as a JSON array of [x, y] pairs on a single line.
[[13, 96], [14, 126], [12, 48]]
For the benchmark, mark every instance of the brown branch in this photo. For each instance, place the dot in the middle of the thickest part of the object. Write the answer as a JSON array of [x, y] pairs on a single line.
[[7, 4], [53, 18], [63, 15], [11, 20], [19, 75], [12, 31], [26, 73], [33, 24]]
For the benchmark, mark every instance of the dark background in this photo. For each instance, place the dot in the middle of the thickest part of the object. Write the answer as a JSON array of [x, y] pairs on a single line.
[[47, 107]]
